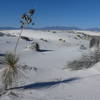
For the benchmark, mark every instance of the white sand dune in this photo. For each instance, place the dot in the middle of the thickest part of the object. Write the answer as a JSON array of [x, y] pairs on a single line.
[[61, 84]]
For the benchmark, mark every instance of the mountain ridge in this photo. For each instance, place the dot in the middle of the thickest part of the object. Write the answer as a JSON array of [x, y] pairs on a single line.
[[52, 28]]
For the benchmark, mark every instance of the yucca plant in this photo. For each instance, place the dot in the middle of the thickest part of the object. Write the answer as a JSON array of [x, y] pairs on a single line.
[[11, 71]]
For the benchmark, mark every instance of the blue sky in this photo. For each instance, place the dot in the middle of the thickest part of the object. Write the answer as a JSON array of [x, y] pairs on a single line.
[[80, 13]]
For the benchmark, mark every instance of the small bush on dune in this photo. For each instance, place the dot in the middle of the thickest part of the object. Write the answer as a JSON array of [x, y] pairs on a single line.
[[1, 34], [84, 62], [44, 40], [54, 32], [11, 71], [82, 47], [35, 46], [61, 40], [25, 38]]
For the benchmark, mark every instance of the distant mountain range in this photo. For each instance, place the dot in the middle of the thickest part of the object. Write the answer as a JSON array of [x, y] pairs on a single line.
[[52, 28], [93, 29], [59, 28], [44, 28], [8, 28]]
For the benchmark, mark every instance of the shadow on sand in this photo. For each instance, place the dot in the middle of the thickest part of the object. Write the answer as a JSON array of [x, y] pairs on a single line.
[[42, 50], [1, 54], [44, 85]]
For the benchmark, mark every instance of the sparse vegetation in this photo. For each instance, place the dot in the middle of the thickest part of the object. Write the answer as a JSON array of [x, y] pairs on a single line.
[[82, 35], [44, 40], [82, 47], [62, 40], [85, 61], [25, 38], [53, 31], [1, 34], [35, 46], [11, 71]]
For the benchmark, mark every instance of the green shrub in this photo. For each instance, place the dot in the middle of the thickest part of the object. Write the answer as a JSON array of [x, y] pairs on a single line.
[[11, 72]]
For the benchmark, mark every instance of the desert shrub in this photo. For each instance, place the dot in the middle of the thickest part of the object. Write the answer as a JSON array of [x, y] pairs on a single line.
[[85, 61], [54, 32], [11, 71], [82, 36], [35, 46], [79, 36], [1, 34], [62, 40], [44, 40], [25, 38], [82, 47]]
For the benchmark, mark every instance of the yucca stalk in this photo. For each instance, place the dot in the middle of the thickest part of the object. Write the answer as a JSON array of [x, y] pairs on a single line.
[[25, 20], [18, 40], [11, 70]]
